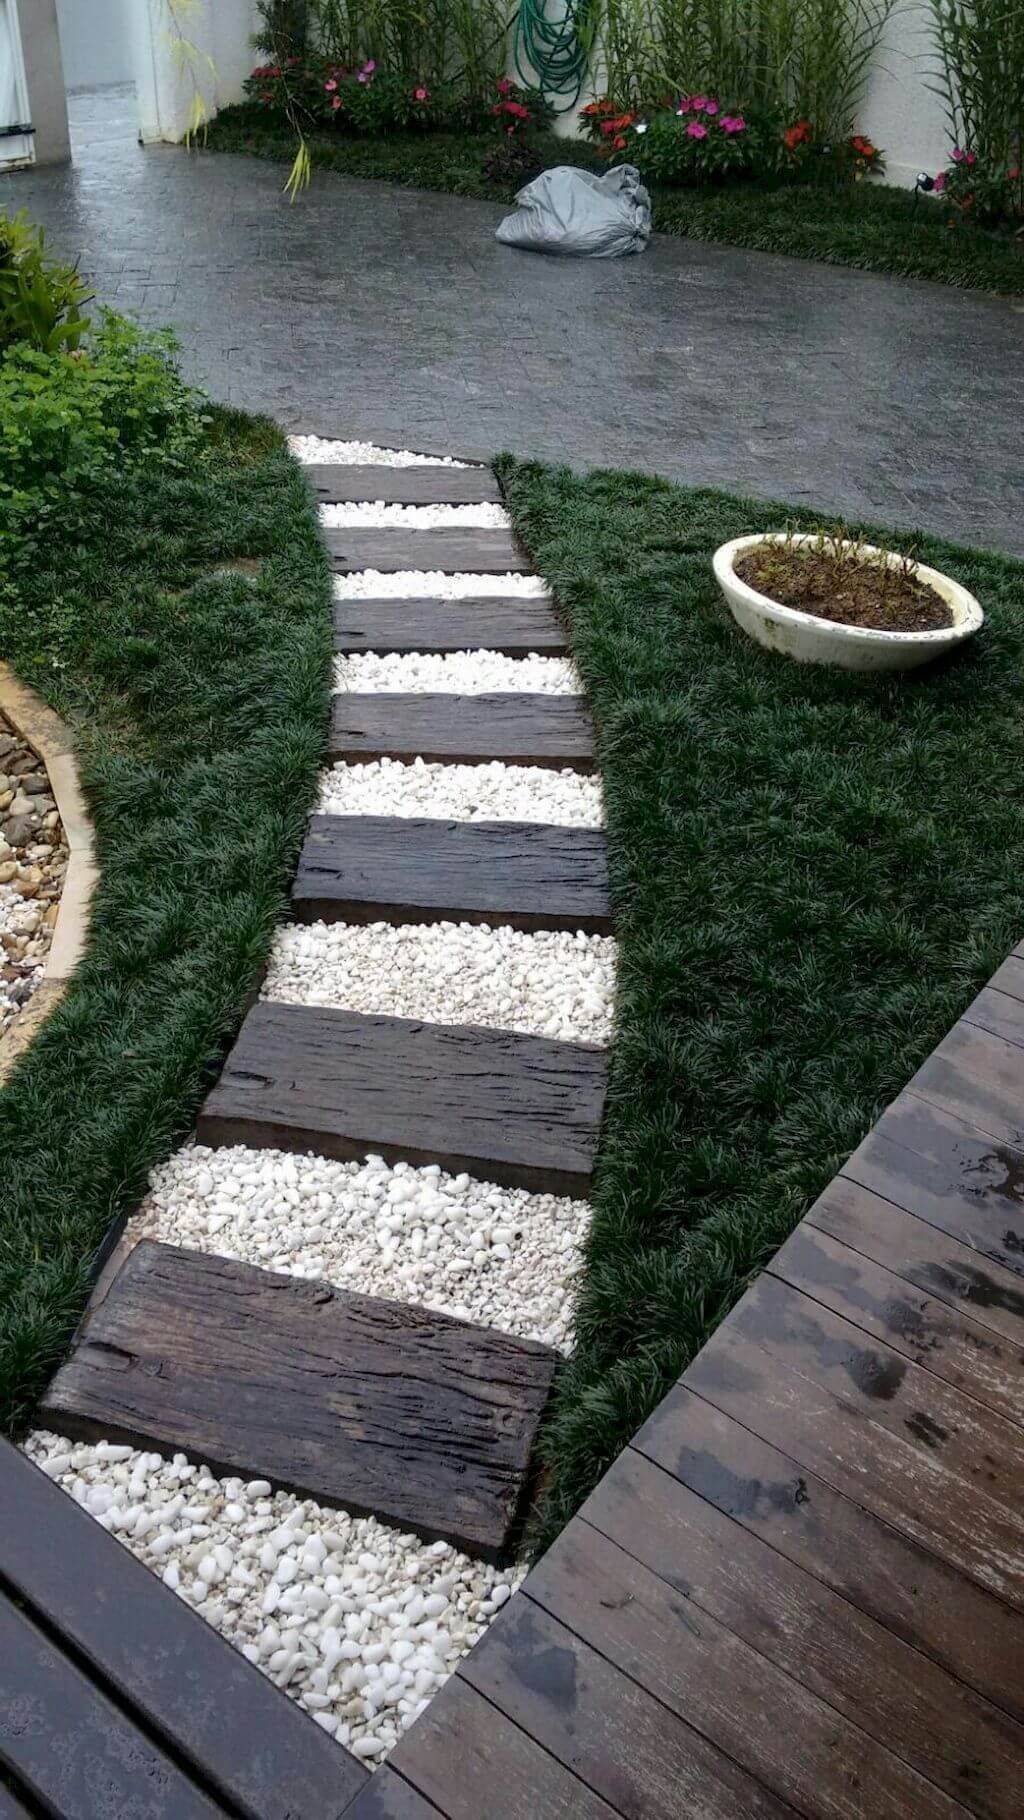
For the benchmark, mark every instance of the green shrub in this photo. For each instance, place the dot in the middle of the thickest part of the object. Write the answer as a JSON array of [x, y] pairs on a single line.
[[981, 53], [68, 420], [41, 299], [705, 144]]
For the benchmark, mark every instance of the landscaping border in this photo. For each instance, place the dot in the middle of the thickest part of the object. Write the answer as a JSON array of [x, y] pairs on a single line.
[[50, 738]]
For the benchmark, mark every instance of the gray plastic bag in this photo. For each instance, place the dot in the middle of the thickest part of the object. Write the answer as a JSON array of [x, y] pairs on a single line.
[[566, 210]]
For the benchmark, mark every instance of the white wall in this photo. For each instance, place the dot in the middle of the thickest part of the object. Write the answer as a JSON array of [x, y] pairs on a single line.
[[901, 112], [222, 32], [95, 42]]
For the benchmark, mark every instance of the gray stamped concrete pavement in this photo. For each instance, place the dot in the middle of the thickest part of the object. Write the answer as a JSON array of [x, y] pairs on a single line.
[[369, 310]]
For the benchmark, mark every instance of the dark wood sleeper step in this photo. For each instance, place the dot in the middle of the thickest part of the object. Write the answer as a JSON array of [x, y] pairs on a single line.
[[389, 549], [551, 730], [337, 483], [496, 622], [380, 1407], [519, 1110], [370, 868]]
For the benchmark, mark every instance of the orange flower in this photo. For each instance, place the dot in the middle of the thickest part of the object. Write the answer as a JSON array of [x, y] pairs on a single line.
[[797, 134], [619, 143]]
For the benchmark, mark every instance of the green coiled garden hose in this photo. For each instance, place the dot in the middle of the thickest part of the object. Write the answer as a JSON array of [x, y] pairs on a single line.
[[551, 53]]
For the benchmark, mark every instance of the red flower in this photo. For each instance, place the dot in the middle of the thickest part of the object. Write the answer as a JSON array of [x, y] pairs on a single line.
[[618, 143], [797, 134]]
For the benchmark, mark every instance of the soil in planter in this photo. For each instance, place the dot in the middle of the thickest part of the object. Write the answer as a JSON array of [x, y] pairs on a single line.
[[850, 590]]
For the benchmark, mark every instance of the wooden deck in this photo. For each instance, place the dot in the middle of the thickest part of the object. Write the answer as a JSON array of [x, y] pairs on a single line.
[[801, 1588]]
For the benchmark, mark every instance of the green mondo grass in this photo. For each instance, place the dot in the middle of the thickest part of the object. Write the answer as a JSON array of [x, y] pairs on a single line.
[[813, 874], [874, 227], [187, 639]]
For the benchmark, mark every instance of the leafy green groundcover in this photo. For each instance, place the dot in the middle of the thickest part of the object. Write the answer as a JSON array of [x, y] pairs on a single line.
[[199, 695], [875, 227], [813, 874]]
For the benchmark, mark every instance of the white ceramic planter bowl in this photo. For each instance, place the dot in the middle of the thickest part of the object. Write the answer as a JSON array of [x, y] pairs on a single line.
[[822, 641]]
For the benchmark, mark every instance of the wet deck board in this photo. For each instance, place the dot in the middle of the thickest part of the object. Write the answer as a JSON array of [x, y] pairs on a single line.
[[811, 1556], [381, 1407], [519, 1110], [507, 623], [550, 730], [368, 868], [433, 484]]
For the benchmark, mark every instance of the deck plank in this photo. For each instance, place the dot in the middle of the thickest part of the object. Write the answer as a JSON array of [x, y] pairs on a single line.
[[978, 1076], [666, 1639], [391, 549], [859, 1415], [949, 1173], [646, 1761], [523, 1111], [387, 1797], [549, 730], [250, 1742], [931, 1333], [71, 1749], [885, 1573], [923, 1255], [510, 624], [369, 868], [717, 1565], [340, 483], [383, 1408], [471, 1761]]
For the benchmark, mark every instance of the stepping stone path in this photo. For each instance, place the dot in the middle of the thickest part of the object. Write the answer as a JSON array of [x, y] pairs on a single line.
[[293, 1384]]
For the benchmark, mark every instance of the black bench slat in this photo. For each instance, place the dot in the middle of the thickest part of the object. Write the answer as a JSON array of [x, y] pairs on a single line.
[[218, 1711], [381, 1407], [342, 483], [523, 1111], [551, 730], [389, 549], [367, 868], [73, 1751], [506, 623]]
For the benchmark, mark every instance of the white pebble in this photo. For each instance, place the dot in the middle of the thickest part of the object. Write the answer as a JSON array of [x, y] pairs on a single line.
[[493, 792], [374, 514], [364, 454], [455, 673]]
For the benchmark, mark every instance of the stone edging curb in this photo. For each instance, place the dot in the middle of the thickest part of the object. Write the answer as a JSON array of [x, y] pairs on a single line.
[[50, 738]]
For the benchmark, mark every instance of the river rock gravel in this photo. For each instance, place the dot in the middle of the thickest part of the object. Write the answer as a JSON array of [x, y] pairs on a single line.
[[328, 451], [33, 864], [455, 673]]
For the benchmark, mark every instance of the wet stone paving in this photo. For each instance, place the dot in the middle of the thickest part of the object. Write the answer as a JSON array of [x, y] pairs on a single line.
[[396, 313]]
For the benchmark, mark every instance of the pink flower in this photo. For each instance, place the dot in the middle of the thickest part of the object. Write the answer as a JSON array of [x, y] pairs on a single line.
[[504, 85], [330, 86], [711, 107], [368, 67], [733, 123], [696, 131], [362, 76], [958, 156], [971, 159], [336, 103], [940, 183], [698, 103]]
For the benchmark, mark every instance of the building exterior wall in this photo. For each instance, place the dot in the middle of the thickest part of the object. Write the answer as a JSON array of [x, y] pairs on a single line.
[[95, 42], [901, 111], [44, 74], [222, 32]]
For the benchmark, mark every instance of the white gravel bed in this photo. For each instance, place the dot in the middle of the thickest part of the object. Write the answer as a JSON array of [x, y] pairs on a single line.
[[501, 1257], [494, 792], [373, 513], [365, 454], [547, 983], [372, 584], [359, 1623], [456, 673]]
